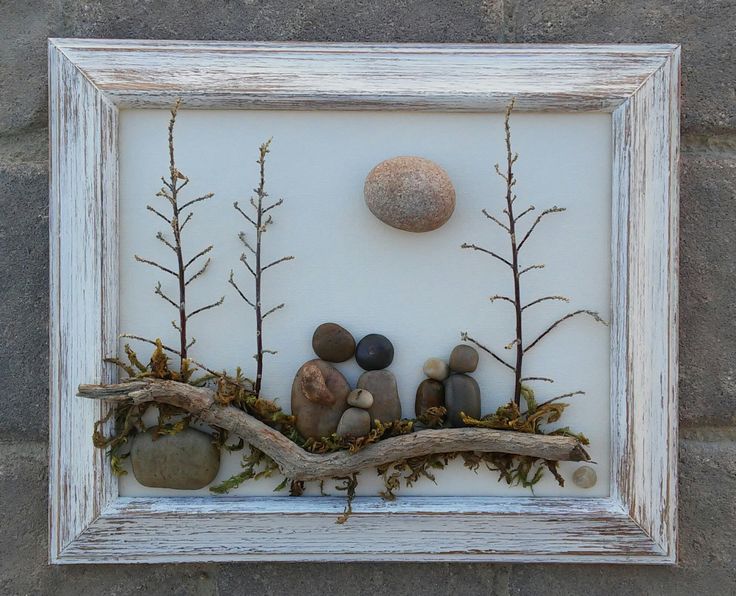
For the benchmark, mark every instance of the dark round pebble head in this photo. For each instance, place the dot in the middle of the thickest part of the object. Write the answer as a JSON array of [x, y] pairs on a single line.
[[463, 359], [374, 352], [333, 343]]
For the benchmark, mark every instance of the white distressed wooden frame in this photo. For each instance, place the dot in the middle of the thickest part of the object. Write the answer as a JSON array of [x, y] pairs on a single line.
[[90, 80]]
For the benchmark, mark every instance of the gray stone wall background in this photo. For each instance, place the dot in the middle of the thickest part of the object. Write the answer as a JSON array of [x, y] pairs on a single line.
[[707, 31]]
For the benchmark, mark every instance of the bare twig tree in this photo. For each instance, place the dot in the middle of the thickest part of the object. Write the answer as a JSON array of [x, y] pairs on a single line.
[[510, 226], [180, 215], [260, 224]]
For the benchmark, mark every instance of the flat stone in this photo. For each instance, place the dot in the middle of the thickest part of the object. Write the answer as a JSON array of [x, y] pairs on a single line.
[[333, 343], [360, 398], [410, 193], [585, 477], [374, 352], [382, 385], [430, 394], [462, 394], [355, 422], [463, 359], [187, 460], [319, 396], [436, 368]]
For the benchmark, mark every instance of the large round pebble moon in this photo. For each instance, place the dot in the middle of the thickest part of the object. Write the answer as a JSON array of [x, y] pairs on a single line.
[[410, 193]]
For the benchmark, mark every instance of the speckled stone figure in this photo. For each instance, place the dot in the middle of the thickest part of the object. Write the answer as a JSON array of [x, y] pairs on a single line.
[[410, 193]]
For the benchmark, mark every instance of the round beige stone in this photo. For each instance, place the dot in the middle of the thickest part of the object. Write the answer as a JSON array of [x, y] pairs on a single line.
[[410, 193], [585, 477]]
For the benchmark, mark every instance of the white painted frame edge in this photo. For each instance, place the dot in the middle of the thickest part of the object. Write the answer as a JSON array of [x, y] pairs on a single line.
[[89, 80]]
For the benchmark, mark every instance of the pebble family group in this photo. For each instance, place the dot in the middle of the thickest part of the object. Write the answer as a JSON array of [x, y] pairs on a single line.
[[324, 403]]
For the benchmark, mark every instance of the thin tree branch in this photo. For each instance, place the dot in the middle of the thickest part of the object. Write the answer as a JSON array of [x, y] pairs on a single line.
[[171, 350], [523, 213], [590, 313], [244, 214], [274, 309], [160, 236], [199, 254], [199, 310], [493, 219], [209, 195], [244, 240], [276, 204], [545, 379], [186, 221], [231, 281], [160, 292], [530, 268], [200, 272], [154, 264], [244, 259], [277, 261], [466, 337], [504, 298], [554, 209], [161, 215], [538, 300], [488, 252]]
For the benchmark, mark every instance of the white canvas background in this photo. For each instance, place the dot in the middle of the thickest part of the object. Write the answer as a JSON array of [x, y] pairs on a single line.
[[420, 290]]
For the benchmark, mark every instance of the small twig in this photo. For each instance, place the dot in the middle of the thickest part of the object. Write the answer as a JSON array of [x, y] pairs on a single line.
[[154, 264], [161, 215], [172, 350], [160, 236], [160, 292], [231, 281], [492, 218], [244, 240], [545, 379], [199, 310], [590, 313], [504, 298], [209, 195], [530, 268], [274, 309], [198, 273], [201, 253], [465, 337], [244, 214], [554, 209], [276, 204], [277, 261], [485, 250], [549, 401], [244, 259], [538, 300], [523, 213]]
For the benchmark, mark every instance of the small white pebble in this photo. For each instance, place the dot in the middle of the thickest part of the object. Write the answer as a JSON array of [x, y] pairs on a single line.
[[436, 368], [585, 477]]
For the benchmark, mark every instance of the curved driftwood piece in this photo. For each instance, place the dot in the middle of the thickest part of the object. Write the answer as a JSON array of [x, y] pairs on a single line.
[[297, 464]]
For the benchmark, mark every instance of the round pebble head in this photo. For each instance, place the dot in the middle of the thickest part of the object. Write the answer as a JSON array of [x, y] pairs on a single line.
[[374, 352], [410, 193], [333, 343]]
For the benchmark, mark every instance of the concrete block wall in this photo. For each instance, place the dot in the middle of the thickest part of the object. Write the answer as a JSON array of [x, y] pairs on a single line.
[[708, 278]]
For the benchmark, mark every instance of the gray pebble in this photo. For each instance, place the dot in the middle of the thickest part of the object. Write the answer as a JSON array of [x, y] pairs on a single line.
[[382, 386], [463, 359], [585, 477], [355, 422], [462, 394], [187, 460]]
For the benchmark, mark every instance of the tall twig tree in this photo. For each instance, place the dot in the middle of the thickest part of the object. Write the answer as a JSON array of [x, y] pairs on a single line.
[[179, 216], [260, 224], [511, 227]]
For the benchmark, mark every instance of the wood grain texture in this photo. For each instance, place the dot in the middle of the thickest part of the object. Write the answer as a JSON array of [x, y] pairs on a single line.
[[297, 464], [90, 80]]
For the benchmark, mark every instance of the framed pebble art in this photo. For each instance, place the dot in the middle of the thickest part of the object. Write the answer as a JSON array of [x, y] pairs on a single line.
[[363, 302]]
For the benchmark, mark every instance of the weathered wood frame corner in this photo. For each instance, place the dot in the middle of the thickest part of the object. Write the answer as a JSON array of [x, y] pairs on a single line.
[[90, 80]]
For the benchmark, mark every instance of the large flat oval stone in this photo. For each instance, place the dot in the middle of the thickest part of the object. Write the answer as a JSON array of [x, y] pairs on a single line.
[[319, 396], [382, 386], [187, 460]]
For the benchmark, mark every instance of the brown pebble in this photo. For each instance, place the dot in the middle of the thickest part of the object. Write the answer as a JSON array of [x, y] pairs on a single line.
[[430, 394], [463, 359], [333, 343], [318, 398]]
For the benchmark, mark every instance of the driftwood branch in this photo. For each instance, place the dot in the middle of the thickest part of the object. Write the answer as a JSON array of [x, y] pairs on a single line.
[[297, 464]]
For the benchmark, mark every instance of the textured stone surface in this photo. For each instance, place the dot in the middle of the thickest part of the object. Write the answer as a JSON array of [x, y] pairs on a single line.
[[24, 301], [703, 27], [707, 278], [382, 385], [333, 343], [585, 477], [185, 460], [360, 398], [410, 193], [318, 398]]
